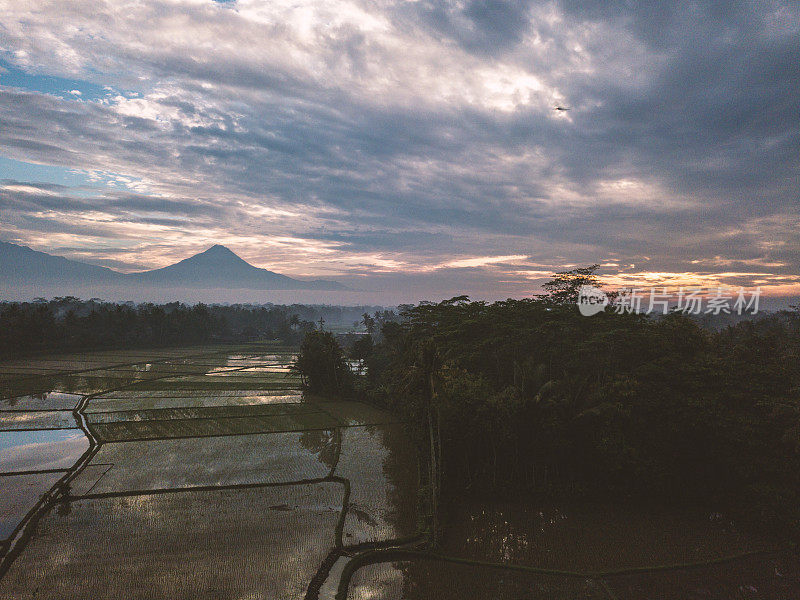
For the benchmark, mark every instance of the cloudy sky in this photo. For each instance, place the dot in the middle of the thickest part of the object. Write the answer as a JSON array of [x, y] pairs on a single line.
[[399, 145]]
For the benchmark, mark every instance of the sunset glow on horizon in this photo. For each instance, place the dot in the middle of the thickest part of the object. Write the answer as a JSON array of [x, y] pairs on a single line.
[[395, 146]]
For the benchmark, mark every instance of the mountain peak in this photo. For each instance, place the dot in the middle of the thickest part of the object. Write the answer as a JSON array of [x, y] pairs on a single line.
[[219, 249], [218, 254], [216, 267]]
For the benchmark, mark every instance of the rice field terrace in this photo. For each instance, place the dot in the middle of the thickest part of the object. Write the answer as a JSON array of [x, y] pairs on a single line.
[[190, 473], [205, 473]]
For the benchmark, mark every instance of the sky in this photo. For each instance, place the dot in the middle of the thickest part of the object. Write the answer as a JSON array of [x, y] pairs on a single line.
[[410, 148]]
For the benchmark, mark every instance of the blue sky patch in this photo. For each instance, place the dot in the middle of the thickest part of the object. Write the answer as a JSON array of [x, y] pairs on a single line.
[[50, 84], [33, 173]]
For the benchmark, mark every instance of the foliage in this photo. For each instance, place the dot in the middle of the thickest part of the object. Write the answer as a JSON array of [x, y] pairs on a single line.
[[71, 324], [530, 394], [321, 363], [563, 288]]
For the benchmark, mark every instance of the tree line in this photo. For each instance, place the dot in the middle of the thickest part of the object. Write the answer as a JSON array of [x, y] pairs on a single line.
[[530, 395], [67, 323]]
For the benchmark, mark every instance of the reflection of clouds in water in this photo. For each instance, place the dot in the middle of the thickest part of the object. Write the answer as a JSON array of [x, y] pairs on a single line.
[[377, 582], [380, 463], [38, 450], [177, 544], [225, 460], [18, 494], [225, 544]]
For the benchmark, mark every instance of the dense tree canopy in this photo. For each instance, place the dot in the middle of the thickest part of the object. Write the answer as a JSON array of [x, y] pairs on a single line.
[[529, 394], [322, 365], [72, 324]]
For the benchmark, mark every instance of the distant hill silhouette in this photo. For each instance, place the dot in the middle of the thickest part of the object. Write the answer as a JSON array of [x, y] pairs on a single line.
[[217, 267], [19, 265]]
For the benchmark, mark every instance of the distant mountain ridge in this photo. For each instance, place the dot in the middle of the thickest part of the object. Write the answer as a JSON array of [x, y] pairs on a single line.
[[215, 268]]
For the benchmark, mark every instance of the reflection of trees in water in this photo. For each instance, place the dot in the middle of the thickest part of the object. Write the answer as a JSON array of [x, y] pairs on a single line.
[[90, 385], [437, 580], [323, 442], [26, 386], [511, 530], [497, 533], [492, 533], [400, 470], [772, 576]]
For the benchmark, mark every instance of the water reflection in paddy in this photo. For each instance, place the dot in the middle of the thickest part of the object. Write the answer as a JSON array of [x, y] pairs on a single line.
[[41, 449], [18, 493], [127, 400], [588, 536], [231, 460], [584, 537], [112, 536], [42, 401], [40, 419], [257, 543], [771, 577]]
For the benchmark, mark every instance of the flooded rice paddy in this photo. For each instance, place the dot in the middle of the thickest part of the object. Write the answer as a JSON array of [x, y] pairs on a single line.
[[191, 473], [204, 473], [40, 450], [531, 549]]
